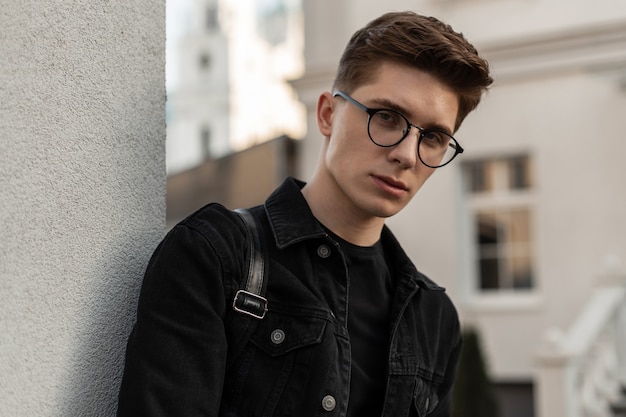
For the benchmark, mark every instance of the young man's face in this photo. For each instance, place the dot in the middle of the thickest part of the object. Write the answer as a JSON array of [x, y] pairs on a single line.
[[368, 180]]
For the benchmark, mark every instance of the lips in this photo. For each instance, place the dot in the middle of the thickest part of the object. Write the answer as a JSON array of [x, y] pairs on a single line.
[[391, 185]]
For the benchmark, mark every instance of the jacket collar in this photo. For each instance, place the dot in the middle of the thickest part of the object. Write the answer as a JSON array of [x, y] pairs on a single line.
[[402, 263], [289, 215], [292, 221]]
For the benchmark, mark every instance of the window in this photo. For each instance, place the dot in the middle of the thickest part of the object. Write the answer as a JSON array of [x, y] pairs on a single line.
[[503, 247], [272, 20], [499, 194], [204, 61], [212, 22], [519, 173], [205, 142]]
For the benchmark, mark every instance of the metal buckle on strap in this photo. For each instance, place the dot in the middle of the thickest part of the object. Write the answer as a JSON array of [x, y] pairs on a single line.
[[251, 304]]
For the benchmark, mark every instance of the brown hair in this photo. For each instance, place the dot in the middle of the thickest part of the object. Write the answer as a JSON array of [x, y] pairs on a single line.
[[422, 42]]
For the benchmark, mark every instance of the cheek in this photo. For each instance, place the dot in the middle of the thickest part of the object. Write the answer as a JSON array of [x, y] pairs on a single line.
[[351, 157], [338, 157], [343, 148], [422, 175], [428, 172]]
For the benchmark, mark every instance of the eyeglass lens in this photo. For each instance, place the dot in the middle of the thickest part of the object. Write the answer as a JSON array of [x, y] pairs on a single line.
[[388, 128]]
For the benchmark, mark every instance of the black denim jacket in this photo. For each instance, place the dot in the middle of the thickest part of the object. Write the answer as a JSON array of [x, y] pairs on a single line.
[[296, 362]]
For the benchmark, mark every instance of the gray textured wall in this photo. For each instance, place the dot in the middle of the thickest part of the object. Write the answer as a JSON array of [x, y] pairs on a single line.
[[82, 195]]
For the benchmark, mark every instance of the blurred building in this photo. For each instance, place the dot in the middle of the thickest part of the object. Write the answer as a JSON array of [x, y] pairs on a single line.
[[527, 229], [240, 179], [232, 65]]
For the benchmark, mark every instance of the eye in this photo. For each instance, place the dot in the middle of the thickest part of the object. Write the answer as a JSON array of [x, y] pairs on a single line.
[[435, 139], [389, 119]]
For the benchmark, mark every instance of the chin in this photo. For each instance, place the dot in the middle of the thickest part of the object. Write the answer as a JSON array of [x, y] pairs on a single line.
[[386, 212], [383, 208]]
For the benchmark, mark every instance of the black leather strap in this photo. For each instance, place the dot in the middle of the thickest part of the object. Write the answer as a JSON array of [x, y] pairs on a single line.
[[251, 300]]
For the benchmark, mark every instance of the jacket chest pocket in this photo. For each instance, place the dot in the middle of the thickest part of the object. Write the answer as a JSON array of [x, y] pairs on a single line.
[[284, 347], [279, 333], [425, 397]]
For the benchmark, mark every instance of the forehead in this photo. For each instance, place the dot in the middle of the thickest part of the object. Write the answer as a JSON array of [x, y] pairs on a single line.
[[421, 96]]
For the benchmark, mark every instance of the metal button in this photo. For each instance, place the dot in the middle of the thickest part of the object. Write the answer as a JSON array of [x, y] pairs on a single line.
[[329, 403], [278, 337], [323, 251]]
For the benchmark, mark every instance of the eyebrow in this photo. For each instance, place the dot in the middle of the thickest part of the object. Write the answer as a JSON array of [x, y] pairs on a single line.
[[383, 103]]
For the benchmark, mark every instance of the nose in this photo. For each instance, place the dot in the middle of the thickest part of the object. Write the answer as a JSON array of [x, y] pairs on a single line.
[[405, 152]]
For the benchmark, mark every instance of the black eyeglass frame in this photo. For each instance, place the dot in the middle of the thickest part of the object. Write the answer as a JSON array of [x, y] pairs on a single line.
[[458, 149]]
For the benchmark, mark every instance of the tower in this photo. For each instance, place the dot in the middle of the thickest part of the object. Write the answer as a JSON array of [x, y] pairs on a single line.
[[235, 61], [199, 108]]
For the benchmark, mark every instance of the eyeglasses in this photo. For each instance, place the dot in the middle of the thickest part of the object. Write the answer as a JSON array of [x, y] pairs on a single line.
[[387, 128]]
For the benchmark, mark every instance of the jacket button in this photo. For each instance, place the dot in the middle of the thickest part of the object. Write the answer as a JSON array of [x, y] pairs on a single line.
[[329, 403], [323, 251], [278, 337]]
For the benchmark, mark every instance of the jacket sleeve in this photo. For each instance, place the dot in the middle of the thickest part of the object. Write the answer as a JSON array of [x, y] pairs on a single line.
[[176, 352]]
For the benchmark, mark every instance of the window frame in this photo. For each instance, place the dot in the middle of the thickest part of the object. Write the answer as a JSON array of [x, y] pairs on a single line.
[[499, 198]]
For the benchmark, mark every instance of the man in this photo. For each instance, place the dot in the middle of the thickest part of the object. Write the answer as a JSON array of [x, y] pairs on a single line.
[[352, 328]]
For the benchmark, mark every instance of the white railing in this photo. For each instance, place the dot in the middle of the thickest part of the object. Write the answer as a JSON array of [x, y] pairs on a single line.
[[580, 372]]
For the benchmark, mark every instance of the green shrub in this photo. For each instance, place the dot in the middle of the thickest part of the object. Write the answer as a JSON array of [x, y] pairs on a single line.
[[473, 394]]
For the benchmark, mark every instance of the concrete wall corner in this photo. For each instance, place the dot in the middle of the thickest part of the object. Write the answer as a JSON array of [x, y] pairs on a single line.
[[82, 195]]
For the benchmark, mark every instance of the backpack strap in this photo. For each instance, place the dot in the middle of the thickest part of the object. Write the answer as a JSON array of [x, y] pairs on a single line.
[[250, 300]]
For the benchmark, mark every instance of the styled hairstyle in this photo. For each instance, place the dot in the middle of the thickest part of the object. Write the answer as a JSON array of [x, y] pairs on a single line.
[[421, 42]]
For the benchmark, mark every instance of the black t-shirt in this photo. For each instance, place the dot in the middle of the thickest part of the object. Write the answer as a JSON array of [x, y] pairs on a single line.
[[368, 326]]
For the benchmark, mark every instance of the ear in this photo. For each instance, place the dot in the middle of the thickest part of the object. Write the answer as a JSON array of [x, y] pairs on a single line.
[[325, 109]]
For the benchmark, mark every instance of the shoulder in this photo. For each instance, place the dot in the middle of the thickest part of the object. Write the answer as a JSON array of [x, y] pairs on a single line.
[[436, 304], [211, 218], [219, 226], [215, 229]]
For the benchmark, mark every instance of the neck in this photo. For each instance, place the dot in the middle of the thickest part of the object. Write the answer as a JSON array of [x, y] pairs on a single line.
[[333, 212]]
